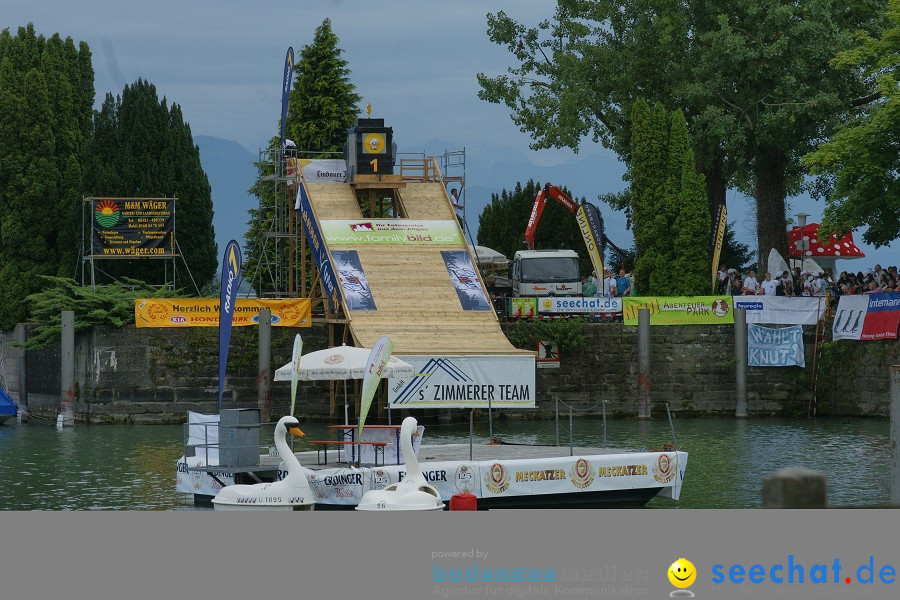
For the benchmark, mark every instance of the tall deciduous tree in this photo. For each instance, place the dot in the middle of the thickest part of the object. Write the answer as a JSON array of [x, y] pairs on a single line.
[[863, 157], [753, 77], [143, 148]]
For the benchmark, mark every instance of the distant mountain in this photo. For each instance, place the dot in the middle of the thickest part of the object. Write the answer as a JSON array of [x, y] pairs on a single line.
[[231, 172]]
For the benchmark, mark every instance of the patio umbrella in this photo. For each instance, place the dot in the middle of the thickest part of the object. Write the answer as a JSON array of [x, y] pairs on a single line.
[[341, 363], [488, 257]]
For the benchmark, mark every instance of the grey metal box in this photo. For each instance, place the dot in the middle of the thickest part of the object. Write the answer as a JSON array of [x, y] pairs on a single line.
[[239, 437]]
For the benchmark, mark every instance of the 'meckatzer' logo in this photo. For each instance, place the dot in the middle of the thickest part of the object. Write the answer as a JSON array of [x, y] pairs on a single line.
[[496, 479]]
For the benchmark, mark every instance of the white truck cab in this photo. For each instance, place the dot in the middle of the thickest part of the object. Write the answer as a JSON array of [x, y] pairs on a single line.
[[545, 273]]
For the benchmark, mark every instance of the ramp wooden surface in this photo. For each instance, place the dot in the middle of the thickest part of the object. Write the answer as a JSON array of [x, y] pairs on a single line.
[[417, 304], [333, 200], [426, 201]]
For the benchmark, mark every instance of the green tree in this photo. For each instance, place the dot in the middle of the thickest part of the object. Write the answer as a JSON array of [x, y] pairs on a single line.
[[689, 273], [322, 105], [141, 147], [46, 97], [502, 223], [752, 76], [862, 159], [645, 201]]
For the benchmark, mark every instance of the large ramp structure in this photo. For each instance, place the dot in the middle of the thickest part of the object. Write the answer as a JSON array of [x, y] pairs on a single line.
[[413, 291]]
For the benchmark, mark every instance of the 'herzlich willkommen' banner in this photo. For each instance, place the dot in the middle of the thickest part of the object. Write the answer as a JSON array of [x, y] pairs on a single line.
[[133, 227], [771, 347], [204, 312], [867, 317]]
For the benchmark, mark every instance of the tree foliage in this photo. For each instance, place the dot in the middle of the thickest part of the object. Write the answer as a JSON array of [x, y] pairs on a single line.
[[105, 304], [862, 159], [752, 76], [141, 147], [322, 105], [502, 224], [46, 95]]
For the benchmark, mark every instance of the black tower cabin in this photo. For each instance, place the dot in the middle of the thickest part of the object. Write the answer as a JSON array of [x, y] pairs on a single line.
[[370, 149]]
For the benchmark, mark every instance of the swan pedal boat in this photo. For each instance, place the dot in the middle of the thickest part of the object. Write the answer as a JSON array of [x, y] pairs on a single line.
[[291, 493]]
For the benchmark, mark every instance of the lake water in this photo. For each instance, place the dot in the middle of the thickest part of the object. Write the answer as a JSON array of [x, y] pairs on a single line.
[[133, 467]]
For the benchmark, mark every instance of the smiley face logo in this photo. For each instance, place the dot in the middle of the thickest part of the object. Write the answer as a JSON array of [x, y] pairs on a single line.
[[682, 573]]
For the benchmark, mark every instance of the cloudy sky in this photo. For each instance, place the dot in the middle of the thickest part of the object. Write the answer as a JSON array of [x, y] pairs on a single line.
[[415, 62]]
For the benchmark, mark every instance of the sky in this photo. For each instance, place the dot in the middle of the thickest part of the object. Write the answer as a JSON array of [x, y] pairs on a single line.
[[415, 62]]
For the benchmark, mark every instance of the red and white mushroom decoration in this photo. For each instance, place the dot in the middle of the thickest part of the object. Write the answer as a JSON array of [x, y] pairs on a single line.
[[833, 248]]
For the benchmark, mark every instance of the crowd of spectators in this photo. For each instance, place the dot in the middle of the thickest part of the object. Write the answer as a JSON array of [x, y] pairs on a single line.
[[797, 283]]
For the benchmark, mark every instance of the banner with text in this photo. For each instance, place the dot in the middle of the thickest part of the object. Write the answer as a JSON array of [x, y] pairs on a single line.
[[577, 474], [465, 280], [402, 232], [683, 310], [357, 293], [465, 382], [570, 304], [782, 310], [771, 347], [867, 317], [317, 248], [133, 227], [204, 312], [315, 170]]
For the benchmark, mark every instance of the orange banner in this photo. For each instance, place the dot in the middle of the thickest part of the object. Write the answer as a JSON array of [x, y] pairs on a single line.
[[204, 312]]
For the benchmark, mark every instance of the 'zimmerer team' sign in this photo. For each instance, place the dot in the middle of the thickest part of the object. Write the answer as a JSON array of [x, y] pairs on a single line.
[[465, 382]]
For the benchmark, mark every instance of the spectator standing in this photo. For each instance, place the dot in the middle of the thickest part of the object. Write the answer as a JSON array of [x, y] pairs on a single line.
[[588, 287], [750, 283], [817, 286], [769, 285], [623, 284], [609, 285]]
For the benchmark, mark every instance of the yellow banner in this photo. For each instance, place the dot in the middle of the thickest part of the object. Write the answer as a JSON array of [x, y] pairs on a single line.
[[204, 312], [680, 310], [717, 244]]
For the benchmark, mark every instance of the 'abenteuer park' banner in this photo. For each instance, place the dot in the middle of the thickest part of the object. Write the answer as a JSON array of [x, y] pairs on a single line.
[[133, 227]]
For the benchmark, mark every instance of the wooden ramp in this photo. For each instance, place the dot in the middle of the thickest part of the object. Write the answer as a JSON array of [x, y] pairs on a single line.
[[417, 304]]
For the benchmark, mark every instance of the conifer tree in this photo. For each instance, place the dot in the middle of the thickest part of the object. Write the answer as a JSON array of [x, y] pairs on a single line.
[[322, 105], [46, 97], [142, 148]]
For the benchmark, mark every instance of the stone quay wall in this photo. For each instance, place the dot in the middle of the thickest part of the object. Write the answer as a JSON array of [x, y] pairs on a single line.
[[133, 375]]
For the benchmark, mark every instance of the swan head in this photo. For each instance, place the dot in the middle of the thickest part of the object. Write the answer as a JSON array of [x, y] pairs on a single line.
[[290, 425]]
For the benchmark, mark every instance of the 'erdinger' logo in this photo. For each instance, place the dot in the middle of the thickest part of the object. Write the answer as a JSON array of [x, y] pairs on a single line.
[[497, 478], [581, 474], [662, 470]]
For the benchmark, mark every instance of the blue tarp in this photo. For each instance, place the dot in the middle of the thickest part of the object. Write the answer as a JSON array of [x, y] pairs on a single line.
[[7, 406]]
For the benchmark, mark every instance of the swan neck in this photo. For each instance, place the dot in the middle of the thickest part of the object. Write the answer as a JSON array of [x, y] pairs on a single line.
[[284, 451], [409, 456]]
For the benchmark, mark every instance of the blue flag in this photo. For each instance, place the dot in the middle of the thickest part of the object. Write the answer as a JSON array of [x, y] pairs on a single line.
[[286, 89], [231, 280]]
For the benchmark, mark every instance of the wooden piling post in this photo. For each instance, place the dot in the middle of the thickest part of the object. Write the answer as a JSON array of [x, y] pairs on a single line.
[[795, 487]]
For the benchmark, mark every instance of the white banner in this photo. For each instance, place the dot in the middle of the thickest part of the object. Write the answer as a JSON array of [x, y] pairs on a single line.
[[583, 474], [330, 170], [782, 310], [465, 382], [564, 304]]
